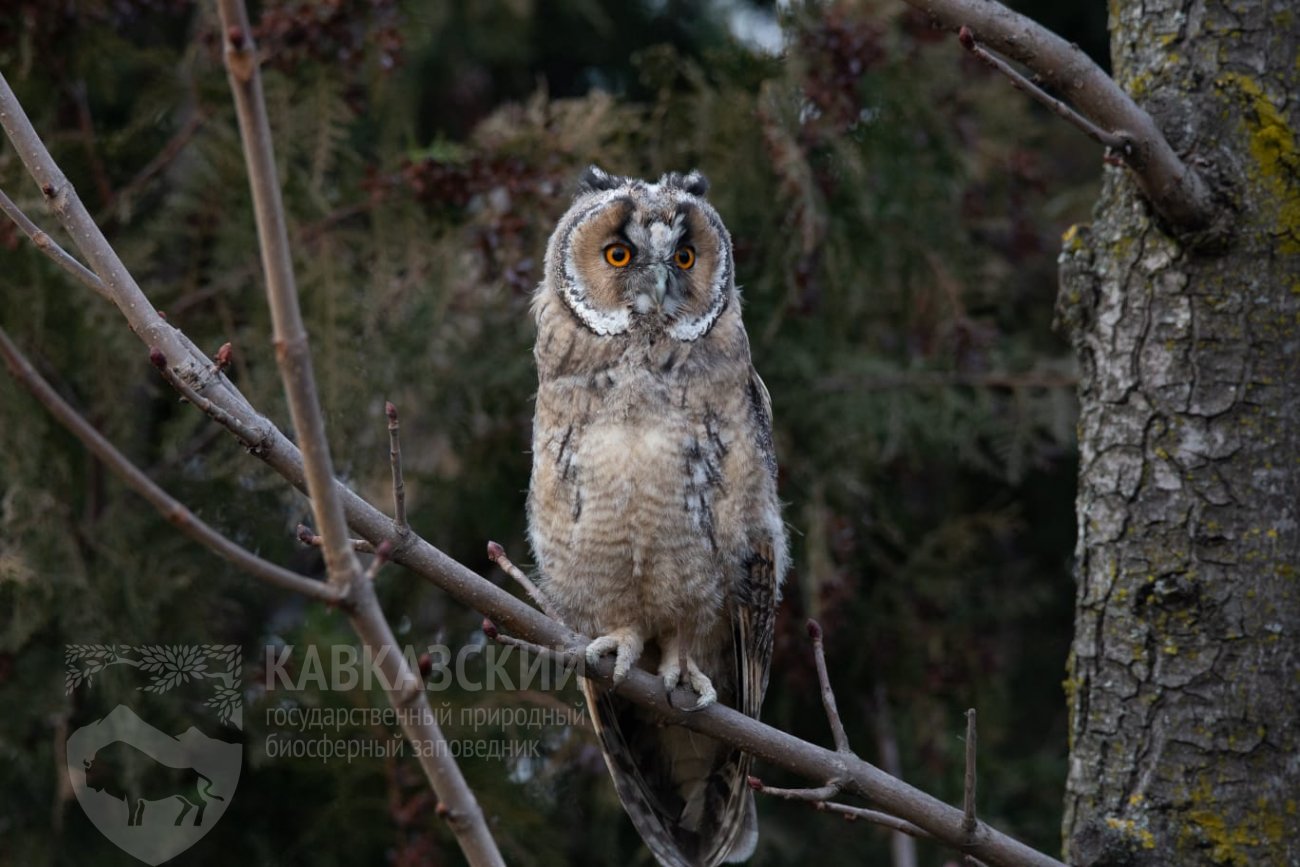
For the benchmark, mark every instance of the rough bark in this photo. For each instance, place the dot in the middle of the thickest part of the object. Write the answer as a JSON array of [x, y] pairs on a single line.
[[1184, 680]]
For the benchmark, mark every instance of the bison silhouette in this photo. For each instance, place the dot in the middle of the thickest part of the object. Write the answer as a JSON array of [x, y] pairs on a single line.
[[158, 782]]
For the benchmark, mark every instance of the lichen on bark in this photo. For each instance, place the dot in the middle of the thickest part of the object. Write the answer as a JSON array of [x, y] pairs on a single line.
[[1184, 679]]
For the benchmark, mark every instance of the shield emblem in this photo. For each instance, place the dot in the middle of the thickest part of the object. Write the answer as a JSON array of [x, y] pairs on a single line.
[[152, 793]]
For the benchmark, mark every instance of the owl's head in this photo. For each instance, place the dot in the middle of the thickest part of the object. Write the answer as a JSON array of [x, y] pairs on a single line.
[[634, 255]]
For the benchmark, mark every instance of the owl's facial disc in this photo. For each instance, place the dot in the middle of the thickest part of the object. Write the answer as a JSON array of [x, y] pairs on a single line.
[[654, 256]]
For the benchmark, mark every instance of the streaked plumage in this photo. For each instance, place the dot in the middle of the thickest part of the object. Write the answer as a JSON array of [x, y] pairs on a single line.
[[652, 511]]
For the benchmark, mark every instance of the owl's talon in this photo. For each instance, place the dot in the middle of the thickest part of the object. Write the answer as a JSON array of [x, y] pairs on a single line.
[[626, 645], [671, 672]]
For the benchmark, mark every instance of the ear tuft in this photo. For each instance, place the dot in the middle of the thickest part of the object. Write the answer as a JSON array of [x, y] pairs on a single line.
[[595, 179], [693, 182]]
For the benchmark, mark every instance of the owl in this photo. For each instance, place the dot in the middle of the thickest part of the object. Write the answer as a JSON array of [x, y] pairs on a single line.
[[652, 509]]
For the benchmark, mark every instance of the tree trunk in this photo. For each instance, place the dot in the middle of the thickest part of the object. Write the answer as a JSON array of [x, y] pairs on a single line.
[[1184, 680]]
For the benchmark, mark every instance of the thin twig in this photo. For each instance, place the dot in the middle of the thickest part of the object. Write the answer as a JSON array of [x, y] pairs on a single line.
[[814, 795], [251, 439], [395, 460], [828, 694], [1116, 141], [383, 552], [968, 822], [171, 509], [497, 555], [310, 539], [46, 245], [1173, 187], [820, 798]]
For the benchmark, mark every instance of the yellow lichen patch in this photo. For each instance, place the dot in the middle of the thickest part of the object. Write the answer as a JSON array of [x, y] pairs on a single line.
[[1273, 149], [1072, 238], [1231, 841], [1129, 828]]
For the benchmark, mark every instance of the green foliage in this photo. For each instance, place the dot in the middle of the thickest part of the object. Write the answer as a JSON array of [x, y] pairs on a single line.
[[894, 210]]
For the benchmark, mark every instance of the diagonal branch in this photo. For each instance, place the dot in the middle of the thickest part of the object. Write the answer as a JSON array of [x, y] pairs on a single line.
[[1174, 189], [46, 245], [177, 514]]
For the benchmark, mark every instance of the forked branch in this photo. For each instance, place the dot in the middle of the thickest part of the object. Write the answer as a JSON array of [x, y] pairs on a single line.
[[1175, 189]]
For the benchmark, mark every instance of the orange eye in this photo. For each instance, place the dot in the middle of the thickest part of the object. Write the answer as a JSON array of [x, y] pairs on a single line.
[[685, 258], [618, 255]]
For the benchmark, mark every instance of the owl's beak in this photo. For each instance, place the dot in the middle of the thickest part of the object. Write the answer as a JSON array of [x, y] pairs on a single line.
[[661, 284]]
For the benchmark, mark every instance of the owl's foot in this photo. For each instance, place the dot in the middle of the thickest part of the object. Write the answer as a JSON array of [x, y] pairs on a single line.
[[670, 669], [626, 644]]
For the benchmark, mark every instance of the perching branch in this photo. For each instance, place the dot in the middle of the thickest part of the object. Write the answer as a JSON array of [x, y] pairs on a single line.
[[1174, 189], [722, 723]]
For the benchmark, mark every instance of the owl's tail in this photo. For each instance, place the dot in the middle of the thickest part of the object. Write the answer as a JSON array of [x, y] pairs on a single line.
[[687, 795]]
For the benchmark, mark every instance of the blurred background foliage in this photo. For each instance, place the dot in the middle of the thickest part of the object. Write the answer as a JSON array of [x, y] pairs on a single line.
[[895, 209]]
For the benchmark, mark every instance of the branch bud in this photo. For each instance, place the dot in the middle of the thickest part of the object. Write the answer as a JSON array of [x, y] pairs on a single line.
[[490, 629], [814, 630], [495, 552], [157, 359], [390, 410], [223, 356], [966, 38]]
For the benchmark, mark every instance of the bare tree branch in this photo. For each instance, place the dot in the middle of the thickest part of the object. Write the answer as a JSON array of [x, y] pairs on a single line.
[[293, 357], [171, 509], [840, 737], [307, 537], [46, 245], [292, 352], [1118, 143], [1174, 189], [189, 364], [497, 555], [722, 723]]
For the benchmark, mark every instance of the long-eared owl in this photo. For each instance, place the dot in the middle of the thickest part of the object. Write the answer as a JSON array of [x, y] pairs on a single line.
[[653, 512]]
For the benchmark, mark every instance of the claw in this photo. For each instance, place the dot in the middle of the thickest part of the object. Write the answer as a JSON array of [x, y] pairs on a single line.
[[701, 684], [626, 644], [670, 669]]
